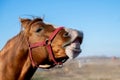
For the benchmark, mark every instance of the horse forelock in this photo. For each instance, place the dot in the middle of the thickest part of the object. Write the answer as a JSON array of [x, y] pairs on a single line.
[[35, 20]]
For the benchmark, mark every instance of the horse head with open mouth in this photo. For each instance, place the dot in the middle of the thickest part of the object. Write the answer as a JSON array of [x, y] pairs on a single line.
[[37, 45]]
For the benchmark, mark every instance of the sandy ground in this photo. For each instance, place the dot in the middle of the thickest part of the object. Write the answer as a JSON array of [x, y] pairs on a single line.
[[90, 68]]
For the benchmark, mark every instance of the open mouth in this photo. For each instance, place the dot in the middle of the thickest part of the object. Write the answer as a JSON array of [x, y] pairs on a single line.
[[75, 46], [72, 48]]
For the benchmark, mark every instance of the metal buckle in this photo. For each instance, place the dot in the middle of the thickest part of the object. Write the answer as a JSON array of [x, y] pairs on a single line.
[[48, 42]]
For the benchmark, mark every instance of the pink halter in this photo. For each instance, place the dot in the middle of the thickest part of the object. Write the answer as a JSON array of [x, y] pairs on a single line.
[[46, 43]]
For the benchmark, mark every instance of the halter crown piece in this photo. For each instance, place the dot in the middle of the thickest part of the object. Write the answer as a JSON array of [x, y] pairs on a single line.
[[46, 43]]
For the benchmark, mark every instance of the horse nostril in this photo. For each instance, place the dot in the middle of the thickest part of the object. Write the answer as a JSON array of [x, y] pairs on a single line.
[[66, 34]]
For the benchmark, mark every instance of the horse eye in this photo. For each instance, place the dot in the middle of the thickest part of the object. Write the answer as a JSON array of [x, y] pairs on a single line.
[[39, 29]]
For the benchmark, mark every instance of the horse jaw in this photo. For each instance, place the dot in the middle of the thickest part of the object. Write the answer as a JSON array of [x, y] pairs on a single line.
[[73, 47]]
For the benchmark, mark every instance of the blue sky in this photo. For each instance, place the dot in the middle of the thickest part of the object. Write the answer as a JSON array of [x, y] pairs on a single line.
[[98, 19]]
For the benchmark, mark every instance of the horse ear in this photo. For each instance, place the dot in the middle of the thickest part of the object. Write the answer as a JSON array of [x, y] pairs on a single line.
[[24, 22]]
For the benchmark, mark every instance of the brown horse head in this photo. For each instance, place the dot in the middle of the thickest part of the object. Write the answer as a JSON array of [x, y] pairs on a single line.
[[38, 31], [36, 45]]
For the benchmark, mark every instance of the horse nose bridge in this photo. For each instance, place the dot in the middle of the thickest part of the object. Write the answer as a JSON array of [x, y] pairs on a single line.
[[74, 34]]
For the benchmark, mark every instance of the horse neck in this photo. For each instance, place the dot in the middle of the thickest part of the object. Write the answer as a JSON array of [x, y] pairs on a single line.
[[15, 60]]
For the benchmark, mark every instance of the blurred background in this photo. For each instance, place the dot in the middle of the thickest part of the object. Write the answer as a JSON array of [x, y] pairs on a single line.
[[98, 19]]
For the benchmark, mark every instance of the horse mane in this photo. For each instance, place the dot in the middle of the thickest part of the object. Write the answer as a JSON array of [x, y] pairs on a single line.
[[14, 43]]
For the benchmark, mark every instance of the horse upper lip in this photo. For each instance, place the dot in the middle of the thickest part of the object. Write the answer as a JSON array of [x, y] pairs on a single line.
[[73, 40], [75, 36], [66, 44]]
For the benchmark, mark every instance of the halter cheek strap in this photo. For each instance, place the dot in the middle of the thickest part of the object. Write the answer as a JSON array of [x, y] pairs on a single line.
[[46, 43]]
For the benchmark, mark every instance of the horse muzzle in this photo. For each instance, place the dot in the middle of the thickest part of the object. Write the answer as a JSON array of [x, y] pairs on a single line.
[[72, 47]]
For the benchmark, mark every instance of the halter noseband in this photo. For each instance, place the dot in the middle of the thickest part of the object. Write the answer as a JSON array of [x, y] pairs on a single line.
[[46, 43]]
